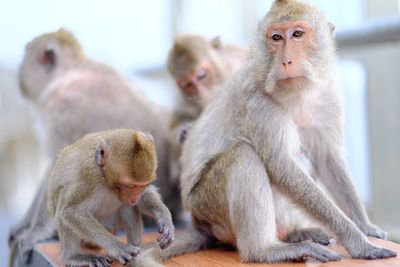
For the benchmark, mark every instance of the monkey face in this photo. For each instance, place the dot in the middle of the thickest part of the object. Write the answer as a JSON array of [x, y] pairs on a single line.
[[197, 84], [291, 45], [130, 193]]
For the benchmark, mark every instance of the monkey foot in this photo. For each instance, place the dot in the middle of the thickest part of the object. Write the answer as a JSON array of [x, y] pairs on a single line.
[[91, 261], [314, 234]]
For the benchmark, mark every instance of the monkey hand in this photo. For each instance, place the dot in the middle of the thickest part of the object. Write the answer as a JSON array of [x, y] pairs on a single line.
[[372, 230], [124, 253], [14, 233], [371, 252], [183, 132], [167, 233]]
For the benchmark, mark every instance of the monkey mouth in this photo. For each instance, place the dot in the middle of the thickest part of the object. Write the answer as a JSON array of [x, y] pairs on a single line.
[[292, 79], [294, 82]]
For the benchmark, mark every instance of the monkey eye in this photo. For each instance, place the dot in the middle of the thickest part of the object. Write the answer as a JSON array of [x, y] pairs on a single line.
[[277, 37], [201, 74], [298, 33], [118, 187]]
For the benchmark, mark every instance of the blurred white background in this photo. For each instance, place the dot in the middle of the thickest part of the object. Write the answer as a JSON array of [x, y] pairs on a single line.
[[134, 37]]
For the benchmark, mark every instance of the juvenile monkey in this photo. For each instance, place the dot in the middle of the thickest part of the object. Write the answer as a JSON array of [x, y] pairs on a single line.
[[198, 66], [73, 95], [105, 177], [262, 141]]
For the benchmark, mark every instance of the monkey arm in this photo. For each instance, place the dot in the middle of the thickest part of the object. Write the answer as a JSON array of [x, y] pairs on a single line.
[[86, 226], [334, 174], [133, 224], [293, 181], [150, 203]]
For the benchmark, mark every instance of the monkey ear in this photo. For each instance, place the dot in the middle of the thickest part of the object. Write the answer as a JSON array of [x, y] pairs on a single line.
[[48, 57], [102, 153], [216, 42]]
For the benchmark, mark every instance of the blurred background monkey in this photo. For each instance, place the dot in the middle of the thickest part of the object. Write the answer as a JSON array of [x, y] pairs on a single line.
[[199, 66], [106, 176], [73, 95], [252, 156]]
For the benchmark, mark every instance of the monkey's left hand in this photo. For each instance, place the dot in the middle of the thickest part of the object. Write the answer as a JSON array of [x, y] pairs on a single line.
[[167, 233], [372, 230]]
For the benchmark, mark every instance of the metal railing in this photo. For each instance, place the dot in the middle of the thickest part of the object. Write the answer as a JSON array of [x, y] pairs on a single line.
[[378, 32]]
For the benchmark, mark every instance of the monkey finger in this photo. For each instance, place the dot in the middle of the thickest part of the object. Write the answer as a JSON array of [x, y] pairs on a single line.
[[168, 243], [325, 256], [165, 233], [165, 240], [161, 227]]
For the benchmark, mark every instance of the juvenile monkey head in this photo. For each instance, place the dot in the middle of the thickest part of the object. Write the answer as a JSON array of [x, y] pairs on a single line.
[[296, 46], [194, 63], [128, 161], [46, 56]]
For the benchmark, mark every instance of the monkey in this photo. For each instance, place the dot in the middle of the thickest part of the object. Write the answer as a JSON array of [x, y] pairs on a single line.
[[100, 177], [258, 147], [199, 66], [72, 95]]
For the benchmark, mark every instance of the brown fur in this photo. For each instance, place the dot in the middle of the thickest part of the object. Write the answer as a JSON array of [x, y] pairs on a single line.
[[82, 197]]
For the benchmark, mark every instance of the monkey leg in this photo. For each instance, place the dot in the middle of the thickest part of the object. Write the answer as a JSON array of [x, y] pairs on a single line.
[[316, 235], [235, 198], [336, 178], [74, 252], [42, 226]]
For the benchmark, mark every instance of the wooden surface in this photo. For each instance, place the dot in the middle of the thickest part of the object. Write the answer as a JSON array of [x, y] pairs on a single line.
[[224, 258]]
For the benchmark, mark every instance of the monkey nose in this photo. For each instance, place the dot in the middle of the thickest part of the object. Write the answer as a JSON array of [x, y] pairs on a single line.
[[287, 63]]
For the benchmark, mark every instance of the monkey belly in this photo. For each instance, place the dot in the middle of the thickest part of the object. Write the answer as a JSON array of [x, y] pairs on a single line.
[[288, 216]]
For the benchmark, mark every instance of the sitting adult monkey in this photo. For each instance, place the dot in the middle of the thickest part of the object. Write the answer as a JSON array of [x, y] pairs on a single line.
[[198, 66], [74, 95], [246, 154]]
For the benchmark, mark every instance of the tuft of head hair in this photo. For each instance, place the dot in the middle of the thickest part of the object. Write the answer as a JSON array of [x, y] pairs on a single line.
[[287, 10], [186, 53], [62, 37], [144, 165]]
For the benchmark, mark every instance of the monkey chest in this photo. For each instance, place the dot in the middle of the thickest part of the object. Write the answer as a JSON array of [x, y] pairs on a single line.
[[107, 204]]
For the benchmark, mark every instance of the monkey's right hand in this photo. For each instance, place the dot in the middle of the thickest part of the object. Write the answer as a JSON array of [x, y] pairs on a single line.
[[125, 253]]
